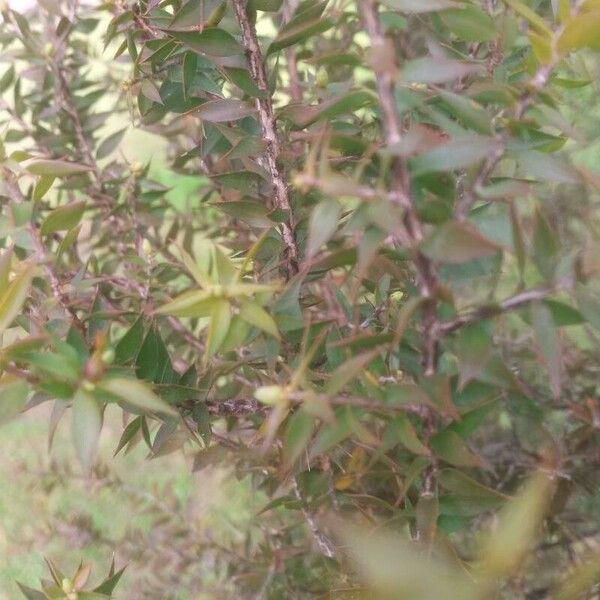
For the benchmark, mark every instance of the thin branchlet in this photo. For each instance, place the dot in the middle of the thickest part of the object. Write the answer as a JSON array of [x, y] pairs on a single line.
[[392, 134]]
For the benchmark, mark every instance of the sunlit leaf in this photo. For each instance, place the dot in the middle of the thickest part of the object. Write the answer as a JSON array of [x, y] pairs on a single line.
[[13, 297], [137, 394]]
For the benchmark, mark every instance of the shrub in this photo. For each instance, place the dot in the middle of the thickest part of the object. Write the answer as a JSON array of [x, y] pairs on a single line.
[[380, 301]]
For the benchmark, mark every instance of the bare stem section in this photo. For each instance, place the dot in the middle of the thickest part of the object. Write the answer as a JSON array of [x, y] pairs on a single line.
[[268, 127]]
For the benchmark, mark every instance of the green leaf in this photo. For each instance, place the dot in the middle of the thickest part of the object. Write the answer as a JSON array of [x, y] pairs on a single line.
[[225, 109], [30, 593], [449, 446], [110, 144], [527, 13], [7, 79], [343, 104], [63, 218], [457, 153], [301, 27], [212, 41], [431, 69], [470, 23], [265, 5], [194, 303], [545, 167], [324, 221], [190, 64], [546, 245], [580, 31], [220, 320], [86, 424], [153, 362], [13, 297], [137, 394], [258, 317], [13, 397], [58, 366], [243, 181], [243, 80], [68, 241], [128, 433], [473, 115], [459, 483], [564, 315], [473, 349], [419, 6], [42, 186], [348, 371], [548, 344], [331, 435], [298, 433], [129, 345], [108, 586], [55, 168], [199, 13], [404, 432], [456, 242], [589, 305]]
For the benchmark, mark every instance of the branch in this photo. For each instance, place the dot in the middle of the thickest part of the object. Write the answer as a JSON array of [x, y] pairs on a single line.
[[324, 544], [392, 133], [511, 303], [273, 154]]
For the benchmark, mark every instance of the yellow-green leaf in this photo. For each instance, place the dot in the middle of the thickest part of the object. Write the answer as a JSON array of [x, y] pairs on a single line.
[[348, 371], [13, 297], [63, 218], [220, 319], [56, 168], [456, 242], [518, 523], [531, 16], [194, 303], [582, 31], [137, 394], [258, 317]]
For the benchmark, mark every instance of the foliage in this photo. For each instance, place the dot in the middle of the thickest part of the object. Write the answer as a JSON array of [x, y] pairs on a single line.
[[381, 303]]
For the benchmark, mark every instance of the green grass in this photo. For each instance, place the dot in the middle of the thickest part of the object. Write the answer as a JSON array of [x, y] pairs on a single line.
[[155, 515]]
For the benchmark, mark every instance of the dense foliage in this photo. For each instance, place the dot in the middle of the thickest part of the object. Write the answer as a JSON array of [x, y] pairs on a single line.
[[381, 303]]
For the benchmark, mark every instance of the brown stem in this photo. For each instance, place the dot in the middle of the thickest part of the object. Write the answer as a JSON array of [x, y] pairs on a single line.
[[273, 154], [511, 303], [324, 544], [392, 133]]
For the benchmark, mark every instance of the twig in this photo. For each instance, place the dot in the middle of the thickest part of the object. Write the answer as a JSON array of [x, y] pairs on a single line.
[[61, 297], [273, 154], [535, 85], [511, 303], [392, 132], [324, 544]]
